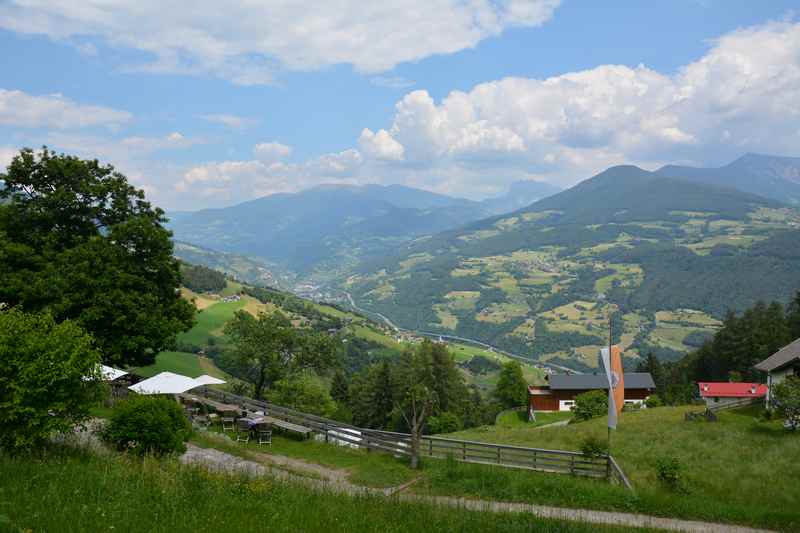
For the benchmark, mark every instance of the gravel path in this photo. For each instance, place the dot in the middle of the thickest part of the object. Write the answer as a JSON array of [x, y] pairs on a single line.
[[331, 479]]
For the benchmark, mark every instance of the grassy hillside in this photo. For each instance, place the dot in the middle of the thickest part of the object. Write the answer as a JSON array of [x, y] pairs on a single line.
[[72, 492], [673, 255], [214, 314], [188, 364], [737, 469]]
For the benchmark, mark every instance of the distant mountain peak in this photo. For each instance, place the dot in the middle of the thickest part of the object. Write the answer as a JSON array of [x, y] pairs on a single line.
[[770, 176]]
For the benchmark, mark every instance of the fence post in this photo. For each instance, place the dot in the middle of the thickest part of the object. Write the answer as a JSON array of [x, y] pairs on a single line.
[[608, 468], [430, 447], [464, 450], [499, 459], [326, 432]]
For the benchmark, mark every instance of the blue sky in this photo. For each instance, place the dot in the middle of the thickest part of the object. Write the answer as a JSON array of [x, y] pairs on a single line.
[[208, 105]]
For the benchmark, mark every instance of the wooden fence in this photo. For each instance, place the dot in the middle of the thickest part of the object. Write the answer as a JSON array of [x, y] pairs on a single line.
[[556, 461], [735, 404]]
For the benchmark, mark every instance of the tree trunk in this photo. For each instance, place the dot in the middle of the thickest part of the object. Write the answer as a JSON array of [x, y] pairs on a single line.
[[259, 386], [415, 438]]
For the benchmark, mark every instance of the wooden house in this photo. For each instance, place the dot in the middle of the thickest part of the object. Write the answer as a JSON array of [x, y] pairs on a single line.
[[783, 363], [560, 392], [719, 395]]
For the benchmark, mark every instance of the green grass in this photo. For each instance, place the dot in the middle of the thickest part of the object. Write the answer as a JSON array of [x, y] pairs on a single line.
[[77, 492], [736, 470], [368, 469], [183, 363], [210, 322], [519, 419], [375, 336]]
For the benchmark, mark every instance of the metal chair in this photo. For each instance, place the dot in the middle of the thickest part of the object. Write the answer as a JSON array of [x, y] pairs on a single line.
[[228, 423], [264, 434], [243, 435]]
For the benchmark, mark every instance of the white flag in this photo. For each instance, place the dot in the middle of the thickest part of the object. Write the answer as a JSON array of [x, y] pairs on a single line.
[[605, 356]]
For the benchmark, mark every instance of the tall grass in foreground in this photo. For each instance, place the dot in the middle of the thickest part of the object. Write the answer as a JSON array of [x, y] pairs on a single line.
[[739, 470], [71, 491]]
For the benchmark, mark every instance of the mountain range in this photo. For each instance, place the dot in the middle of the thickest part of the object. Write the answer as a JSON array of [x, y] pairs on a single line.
[[672, 250], [769, 176], [672, 255], [330, 227]]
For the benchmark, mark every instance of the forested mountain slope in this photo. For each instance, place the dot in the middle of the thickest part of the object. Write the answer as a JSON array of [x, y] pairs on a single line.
[[672, 254], [327, 227]]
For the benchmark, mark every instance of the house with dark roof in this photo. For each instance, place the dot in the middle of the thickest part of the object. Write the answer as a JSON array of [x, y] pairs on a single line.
[[560, 392], [780, 365], [719, 395]]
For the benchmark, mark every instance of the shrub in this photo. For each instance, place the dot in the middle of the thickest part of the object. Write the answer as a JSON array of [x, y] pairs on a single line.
[[594, 446], [668, 471], [653, 401], [628, 407], [304, 391], [44, 368], [445, 422], [148, 425], [786, 399], [590, 405]]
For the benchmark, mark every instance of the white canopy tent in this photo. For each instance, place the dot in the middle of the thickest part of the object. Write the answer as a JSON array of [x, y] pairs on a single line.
[[205, 379], [109, 373], [170, 383]]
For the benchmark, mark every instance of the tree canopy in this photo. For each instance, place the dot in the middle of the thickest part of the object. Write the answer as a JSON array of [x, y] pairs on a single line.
[[49, 377], [80, 242], [512, 389], [268, 348]]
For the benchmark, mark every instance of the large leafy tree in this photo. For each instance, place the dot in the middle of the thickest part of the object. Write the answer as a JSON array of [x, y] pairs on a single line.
[[49, 378], [80, 242], [268, 348], [511, 389]]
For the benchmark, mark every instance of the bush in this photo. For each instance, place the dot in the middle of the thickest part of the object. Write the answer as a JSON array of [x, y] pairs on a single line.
[[444, 423], [590, 405], [653, 401], [668, 471], [44, 388], [148, 425], [305, 392], [594, 446], [786, 400]]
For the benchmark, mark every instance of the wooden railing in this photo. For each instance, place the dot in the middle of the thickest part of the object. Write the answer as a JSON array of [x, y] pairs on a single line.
[[734, 404], [556, 461]]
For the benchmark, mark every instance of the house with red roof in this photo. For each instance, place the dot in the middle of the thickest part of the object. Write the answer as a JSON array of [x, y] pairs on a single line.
[[719, 395]]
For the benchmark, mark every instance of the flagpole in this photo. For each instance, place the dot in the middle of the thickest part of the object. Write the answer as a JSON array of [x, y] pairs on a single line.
[[609, 359]]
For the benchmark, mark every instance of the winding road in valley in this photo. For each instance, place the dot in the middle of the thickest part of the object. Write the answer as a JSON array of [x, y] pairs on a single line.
[[434, 335]]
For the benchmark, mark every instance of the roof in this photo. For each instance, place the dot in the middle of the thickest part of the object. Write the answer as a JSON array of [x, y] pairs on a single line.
[[170, 383], [205, 379], [781, 358], [110, 373], [732, 390], [633, 380]]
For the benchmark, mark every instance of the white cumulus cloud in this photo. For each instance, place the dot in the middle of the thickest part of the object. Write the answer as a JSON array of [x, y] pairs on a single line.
[[270, 151], [232, 121], [380, 145], [242, 40], [20, 109]]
